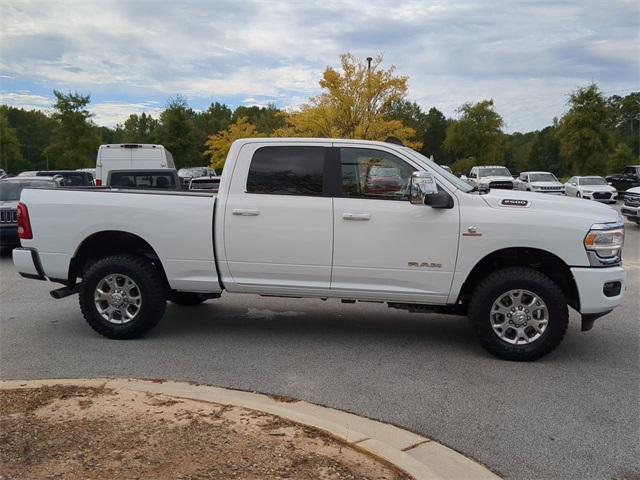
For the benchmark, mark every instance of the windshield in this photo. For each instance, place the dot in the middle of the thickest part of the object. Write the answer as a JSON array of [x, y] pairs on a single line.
[[211, 184], [457, 182], [494, 172], [10, 190], [193, 172], [593, 181], [542, 177]]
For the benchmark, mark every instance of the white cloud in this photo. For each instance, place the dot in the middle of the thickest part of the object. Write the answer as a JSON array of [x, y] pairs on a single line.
[[112, 113], [26, 100], [525, 55]]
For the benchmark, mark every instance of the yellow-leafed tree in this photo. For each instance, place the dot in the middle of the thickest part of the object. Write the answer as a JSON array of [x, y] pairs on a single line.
[[353, 104], [218, 145]]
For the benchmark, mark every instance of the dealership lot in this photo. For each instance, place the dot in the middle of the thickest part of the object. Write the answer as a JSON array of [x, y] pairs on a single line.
[[572, 414]]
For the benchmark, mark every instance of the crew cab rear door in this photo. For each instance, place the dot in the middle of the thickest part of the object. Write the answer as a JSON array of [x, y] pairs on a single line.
[[278, 219]]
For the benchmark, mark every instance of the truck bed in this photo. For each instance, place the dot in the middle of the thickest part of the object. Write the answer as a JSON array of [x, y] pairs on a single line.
[[178, 225]]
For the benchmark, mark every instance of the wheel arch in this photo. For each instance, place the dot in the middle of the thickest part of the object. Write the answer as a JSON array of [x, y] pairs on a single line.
[[111, 242], [541, 260]]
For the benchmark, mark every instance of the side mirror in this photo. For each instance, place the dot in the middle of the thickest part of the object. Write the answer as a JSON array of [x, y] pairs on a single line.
[[439, 199], [609, 183], [463, 177], [422, 186]]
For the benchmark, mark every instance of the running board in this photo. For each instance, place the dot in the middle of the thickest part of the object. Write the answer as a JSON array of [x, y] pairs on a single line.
[[59, 293]]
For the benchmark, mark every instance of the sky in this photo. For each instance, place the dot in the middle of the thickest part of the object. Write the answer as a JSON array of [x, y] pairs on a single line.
[[132, 56]]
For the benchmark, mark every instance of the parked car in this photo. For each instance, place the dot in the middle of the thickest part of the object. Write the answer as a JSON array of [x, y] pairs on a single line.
[[591, 188], [486, 177], [631, 207], [629, 178], [383, 179], [10, 189], [189, 173], [2, 173], [543, 182], [205, 183], [164, 179], [28, 173], [71, 178], [134, 156], [293, 219], [447, 168]]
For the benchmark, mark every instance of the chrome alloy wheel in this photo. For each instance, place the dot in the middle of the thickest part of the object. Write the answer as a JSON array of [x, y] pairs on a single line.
[[519, 317], [117, 298]]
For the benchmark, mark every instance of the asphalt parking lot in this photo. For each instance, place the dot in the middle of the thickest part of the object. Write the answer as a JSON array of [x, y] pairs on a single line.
[[573, 414]]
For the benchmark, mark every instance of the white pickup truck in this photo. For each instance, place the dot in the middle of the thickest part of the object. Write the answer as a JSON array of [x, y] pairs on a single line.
[[346, 219]]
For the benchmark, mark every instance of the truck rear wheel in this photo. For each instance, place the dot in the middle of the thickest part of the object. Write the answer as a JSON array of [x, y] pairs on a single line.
[[519, 314], [122, 296]]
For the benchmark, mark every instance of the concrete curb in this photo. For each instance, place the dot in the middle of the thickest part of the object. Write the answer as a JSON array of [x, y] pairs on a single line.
[[418, 456]]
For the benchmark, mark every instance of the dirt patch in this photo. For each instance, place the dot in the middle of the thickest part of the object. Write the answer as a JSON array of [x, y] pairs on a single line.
[[65, 432]]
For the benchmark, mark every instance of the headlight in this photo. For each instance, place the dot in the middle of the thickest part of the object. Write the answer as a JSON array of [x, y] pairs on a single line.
[[605, 240], [587, 191]]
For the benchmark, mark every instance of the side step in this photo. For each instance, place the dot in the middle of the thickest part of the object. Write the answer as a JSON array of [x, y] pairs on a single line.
[[59, 293]]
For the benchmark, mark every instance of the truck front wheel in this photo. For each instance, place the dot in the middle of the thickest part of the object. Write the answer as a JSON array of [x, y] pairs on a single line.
[[519, 314], [122, 296]]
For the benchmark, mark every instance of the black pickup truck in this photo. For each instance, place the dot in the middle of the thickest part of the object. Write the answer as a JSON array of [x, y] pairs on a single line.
[[629, 178]]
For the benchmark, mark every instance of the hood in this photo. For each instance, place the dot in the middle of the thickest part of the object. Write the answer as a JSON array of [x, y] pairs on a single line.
[[500, 178], [635, 190], [598, 188], [547, 184], [9, 203], [557, 206]]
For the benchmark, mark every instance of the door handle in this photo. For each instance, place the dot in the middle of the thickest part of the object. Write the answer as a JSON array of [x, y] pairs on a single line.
[[356, 216], [246, 212]]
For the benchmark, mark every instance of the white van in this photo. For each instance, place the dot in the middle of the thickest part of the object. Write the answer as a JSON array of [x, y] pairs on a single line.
[[123, 156]]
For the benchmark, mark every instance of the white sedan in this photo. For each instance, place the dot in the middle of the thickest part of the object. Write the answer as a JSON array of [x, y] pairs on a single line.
[[591, 188]]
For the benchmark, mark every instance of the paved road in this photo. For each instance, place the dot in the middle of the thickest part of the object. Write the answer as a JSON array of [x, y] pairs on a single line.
[[574, 414]]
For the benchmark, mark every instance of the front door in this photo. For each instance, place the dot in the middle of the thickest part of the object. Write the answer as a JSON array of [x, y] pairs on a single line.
[[384, 245], [278, 219]]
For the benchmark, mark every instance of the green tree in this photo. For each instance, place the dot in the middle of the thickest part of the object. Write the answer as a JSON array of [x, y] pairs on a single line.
[[212, 120], [266, 119], [545, 153], [476, 134], [433, 138], [178, 134], [11, 159], [620, 158], [625, 120], [34, 130], [583, 133], [141, 128], [75, 140]]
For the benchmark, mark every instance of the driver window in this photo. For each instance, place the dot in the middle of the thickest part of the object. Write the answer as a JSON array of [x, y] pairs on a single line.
[[370, 173]]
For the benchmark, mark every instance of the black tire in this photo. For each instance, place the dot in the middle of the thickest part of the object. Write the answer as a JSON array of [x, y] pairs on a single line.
[[578, 195], [186, 299], [499, 283], [152, 292]]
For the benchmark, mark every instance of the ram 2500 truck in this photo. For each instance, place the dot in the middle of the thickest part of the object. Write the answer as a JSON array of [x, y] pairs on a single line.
[[303, 218]]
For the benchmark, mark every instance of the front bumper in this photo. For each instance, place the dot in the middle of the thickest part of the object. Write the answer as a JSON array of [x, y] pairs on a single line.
[[630, 212], [612, 199], [27, 263], [595, 288]]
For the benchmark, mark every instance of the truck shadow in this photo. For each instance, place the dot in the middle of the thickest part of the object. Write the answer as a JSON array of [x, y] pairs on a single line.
[[372, 326]]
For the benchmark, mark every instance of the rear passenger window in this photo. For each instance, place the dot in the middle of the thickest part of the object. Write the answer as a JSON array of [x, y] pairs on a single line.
[[287, 171]]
